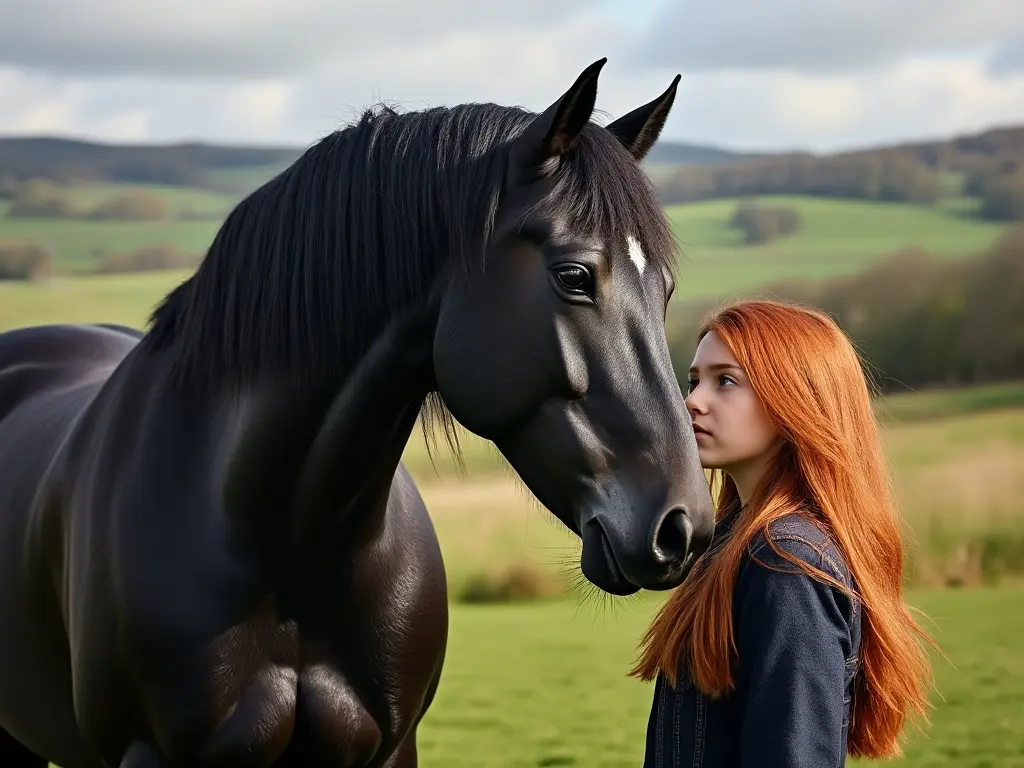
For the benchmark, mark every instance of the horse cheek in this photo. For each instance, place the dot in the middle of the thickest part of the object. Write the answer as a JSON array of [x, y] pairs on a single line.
[[493, 368]]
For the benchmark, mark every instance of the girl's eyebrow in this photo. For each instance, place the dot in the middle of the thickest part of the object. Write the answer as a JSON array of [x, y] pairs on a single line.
[[719, 367]]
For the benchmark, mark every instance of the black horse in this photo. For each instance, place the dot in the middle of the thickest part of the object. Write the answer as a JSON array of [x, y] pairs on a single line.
[[210, 554]]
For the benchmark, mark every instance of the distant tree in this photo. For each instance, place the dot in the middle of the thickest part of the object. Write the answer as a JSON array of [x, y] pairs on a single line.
[[879, 175], [918, 320], [8, 186], [993, 331], [136, 205], [38, 198], [24, 260], [149, 258], [763, 223], [1003, 197]]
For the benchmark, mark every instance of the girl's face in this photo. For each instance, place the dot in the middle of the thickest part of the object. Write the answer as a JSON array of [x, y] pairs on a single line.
[[732, 429]]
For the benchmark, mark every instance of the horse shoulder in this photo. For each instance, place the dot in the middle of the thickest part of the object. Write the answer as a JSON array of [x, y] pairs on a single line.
[[398, 591], [174, 607]]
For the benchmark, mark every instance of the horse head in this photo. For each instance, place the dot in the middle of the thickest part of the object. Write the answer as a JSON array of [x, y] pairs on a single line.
[[556, 349]]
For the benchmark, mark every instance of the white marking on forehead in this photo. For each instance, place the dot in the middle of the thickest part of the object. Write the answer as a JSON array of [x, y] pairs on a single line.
[[636, 254]]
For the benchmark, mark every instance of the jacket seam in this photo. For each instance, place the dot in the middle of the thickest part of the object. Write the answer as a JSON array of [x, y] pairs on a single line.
[[839, 572], [659, 758]]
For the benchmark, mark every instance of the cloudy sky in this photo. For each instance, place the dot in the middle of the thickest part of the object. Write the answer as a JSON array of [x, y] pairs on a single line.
[[815, 74]]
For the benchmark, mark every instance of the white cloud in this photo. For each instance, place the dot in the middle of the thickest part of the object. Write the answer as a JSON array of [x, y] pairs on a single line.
[[786, 74], [518, 62], [263, 106], [811, 36], [914, 99], [1008, 58], [245, 38]]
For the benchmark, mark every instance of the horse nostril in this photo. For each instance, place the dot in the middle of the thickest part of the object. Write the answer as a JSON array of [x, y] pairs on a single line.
[[672, 536]]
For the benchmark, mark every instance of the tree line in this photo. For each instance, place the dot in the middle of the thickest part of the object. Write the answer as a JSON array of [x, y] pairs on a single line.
[[39, 198], [918, 172], [25, 259], [917, 319], [762, 223], [988, 165], [44, 199], [882, 176], [67, 161], [1001, 190]]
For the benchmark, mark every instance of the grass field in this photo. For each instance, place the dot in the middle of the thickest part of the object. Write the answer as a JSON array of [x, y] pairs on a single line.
[[933, 404], [244, 179], [76, 244], [543, 683], [179, 199], [125, 298], [546, 685], [839, 237], [959, 480]]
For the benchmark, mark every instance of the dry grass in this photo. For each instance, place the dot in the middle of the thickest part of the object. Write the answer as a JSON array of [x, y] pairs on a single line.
[[965, 515], [960, 482], [499, 544]]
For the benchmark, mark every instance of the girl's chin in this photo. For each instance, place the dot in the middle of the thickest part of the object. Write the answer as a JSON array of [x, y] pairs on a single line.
[[708, 460]]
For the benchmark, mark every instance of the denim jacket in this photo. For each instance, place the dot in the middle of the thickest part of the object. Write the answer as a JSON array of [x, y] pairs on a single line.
[[798, 643]]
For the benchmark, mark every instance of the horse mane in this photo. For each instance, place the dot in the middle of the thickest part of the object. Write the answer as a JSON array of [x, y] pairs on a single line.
[[309, 268]]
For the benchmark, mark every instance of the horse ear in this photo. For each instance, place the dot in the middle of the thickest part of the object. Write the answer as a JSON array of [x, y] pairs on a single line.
[[553, 132], [639, 129]]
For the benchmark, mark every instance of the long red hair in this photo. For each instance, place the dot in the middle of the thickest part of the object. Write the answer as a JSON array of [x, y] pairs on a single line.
[[831, 466]]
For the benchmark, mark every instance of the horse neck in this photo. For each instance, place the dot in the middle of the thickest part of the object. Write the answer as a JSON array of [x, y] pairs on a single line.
[[347, 473]]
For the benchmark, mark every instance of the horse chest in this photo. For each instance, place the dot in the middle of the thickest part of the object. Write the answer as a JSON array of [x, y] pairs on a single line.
[[260, 694], [333, 723]]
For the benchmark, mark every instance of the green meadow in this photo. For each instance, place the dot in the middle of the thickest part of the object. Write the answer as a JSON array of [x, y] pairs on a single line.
[[536, 663], [958, 474], [119, 298], [838, 237], [543, 682], [545, 685]]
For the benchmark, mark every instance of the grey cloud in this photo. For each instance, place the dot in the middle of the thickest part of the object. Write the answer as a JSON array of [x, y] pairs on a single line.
[[497, 63], [242, 38], [1008, 59], [814, 37]]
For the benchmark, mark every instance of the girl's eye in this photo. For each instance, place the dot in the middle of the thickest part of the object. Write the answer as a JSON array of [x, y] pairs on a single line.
[[725, 380], [691, 384]]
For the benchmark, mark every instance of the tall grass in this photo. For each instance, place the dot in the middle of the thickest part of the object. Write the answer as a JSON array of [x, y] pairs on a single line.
[[546, 684], [957, 460]]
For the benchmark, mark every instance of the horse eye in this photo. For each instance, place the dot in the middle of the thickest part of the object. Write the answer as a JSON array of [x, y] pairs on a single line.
[[575, 278]]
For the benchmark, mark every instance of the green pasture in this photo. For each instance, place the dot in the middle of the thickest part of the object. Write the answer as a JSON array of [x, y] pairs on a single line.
[[910, 407], [245, 178], [545, 684], [958, 475], [120, 298], [78, 244], [838, 236], [180, 200], [920, 427]]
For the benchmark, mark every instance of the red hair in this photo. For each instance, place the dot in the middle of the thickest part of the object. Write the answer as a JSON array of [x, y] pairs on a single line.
[[831, 467]]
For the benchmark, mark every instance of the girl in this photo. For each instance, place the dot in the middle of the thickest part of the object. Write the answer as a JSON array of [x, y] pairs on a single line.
[[789, 644]]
